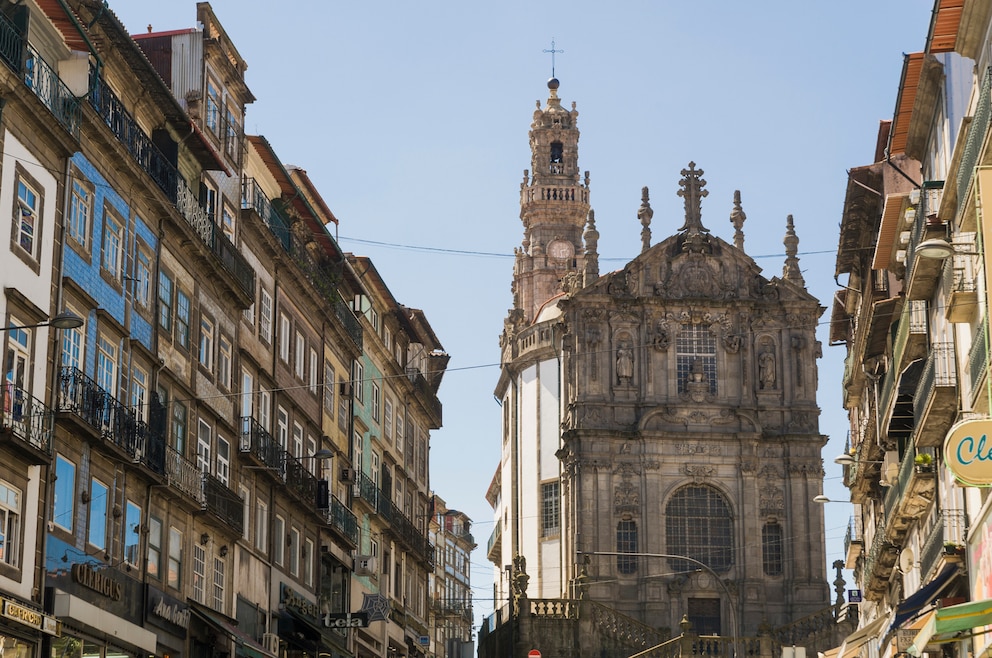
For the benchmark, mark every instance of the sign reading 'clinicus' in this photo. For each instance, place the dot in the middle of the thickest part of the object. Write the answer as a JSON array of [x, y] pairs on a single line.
[[968, 452]]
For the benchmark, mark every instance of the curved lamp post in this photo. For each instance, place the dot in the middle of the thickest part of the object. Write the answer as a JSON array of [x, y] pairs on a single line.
[[716, 576]]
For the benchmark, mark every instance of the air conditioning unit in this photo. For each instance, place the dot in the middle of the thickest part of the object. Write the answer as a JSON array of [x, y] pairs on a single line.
[[348, 475], [365, 565], [345, 389], [270, 641]]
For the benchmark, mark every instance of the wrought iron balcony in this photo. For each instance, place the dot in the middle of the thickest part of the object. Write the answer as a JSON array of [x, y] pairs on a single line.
[[427, 395], [112, 421], [911, 335], [40, 77], [26, 422], [408, 534], [227, 506], [165, 175], [950, 527], [854, 543], [367, 491], [978, 358], [184, 476], [912, 492], [878, 566], [262, 447], [922, 273], [343, 520], [973, 147], [495, 544], [935, 403], [301, 481], [961, 289]]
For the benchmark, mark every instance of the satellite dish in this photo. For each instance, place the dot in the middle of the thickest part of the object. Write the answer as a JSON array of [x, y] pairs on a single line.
[[906, 560]]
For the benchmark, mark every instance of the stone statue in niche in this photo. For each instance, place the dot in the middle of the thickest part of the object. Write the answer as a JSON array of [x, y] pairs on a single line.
[[766, 369], [625, 363]]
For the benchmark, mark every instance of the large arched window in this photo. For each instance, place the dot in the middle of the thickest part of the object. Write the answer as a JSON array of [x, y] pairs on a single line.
[[627, 543], [699, 525]]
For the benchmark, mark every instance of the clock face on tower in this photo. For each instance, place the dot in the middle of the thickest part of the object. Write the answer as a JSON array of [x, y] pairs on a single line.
[[560, 249]]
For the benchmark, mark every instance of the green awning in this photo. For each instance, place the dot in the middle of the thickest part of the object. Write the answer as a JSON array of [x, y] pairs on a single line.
[[963, 617]]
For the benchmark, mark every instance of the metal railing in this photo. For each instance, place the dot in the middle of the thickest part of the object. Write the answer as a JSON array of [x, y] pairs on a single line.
[[425, 390], [912, 321], [256, 441], [399, 524], [978, 357], [40, 77], [950, 527], [974, 143], [183, 475], [939, 372], [165, 175], [301, 481], [27, 417], [223, 503], [342, 518]]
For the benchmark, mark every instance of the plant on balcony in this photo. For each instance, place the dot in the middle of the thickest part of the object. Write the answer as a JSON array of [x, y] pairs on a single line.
[[953, 548], [923, 463]]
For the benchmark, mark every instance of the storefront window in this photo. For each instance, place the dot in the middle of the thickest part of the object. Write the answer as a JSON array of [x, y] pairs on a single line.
[[15, 647], [66, 646]]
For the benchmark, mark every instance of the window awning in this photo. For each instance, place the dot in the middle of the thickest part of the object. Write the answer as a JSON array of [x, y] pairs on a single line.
[[924, 596], [246, 644], [953, 619], [852, 643]]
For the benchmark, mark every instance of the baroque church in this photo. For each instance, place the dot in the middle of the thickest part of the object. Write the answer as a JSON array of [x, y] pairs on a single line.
[[660, 432]]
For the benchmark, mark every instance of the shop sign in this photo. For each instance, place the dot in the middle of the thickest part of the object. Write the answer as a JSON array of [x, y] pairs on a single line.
[[164, 610], [101, 583], [296, 602], [346, 620], [32, 618], [968, 452]]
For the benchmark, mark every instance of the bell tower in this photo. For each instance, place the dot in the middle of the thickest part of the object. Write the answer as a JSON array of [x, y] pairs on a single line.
[[554, 206]]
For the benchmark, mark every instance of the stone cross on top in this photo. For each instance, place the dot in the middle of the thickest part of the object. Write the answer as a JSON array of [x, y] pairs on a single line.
[[692, 191]]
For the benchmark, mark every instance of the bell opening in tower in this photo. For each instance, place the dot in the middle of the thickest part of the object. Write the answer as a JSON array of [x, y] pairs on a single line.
[[557, 154]]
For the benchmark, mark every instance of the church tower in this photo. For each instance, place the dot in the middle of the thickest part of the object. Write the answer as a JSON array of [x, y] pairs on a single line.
[[554, 204], [660, 431]]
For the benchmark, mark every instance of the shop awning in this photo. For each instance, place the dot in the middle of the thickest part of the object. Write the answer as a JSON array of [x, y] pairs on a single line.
[[953, 619], [246, 643], [924, 596], [853, 643]]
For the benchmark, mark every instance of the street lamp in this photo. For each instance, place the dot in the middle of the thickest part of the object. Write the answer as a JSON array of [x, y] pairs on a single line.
[[703, 565], [849, 460], [64, 320]]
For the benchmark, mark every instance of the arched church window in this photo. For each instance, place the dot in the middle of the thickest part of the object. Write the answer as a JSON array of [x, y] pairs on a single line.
[[557, 152], [695, 358], [627, 543], [699, 525], [771, 548]]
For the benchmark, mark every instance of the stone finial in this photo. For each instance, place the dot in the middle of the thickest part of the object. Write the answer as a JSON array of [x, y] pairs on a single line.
[[692, 192], [839, 582], [591, 237], [790, 271], [645, 213], [737, 218]]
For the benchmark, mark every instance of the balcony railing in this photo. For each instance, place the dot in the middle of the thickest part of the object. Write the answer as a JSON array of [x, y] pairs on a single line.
[[165, 175], [950, 526], [935, 404], [408, 534], [978, 358], [922, 273], [342, 518], [878, 565], [426, 393], [911, 493], [911, 333], [974, 143], [495, 543], [257, 442], [854, 542], [27, 418], [301, 481], [366, 489], [114, 422], [184, 476], [40, 77], [223, 503]]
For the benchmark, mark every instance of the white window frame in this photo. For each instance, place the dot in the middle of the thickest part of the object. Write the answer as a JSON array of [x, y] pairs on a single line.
[[300, 355], [261, 526], [223, 467], [10, 524], [284, 337], [265, 317], [314, 373], [79, 212], [112, 260], [224, 358], [106, 369], [206, 353], [199, 573], [279, 540], [204, 441]]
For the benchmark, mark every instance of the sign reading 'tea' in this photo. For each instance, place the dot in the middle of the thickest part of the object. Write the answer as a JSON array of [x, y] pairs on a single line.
[[968, 452]]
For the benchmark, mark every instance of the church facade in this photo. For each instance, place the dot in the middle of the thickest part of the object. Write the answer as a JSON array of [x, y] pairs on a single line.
[[661, 444]]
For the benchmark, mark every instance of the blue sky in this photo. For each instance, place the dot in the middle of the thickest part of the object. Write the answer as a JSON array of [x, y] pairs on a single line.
[[412, 120]]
